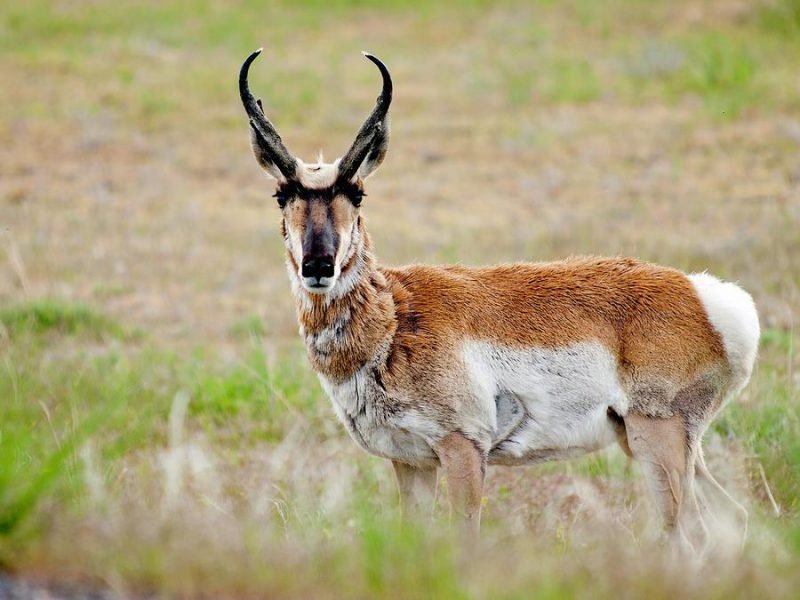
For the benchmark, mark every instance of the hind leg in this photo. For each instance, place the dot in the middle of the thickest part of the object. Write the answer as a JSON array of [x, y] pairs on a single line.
[[703, 474], [661, 446]]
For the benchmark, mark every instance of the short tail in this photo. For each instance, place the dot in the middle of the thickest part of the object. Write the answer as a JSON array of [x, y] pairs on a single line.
[[733, 315]]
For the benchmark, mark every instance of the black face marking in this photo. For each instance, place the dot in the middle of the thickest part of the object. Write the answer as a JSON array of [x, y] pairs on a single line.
[[281, 197], [290, 190], [356, 198], [320, 238]]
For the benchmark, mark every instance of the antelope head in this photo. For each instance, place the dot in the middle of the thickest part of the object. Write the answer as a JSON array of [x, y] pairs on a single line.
[[319, 202]]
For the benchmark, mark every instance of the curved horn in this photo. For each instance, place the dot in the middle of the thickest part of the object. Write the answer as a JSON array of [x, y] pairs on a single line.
[[373, 135], [270, 145]]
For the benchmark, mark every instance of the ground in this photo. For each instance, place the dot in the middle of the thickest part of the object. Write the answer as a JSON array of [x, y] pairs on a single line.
[[160, 430]]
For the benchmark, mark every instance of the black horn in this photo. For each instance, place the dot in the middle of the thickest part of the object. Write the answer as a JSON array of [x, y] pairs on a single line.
[[267, 144], [373, 137]]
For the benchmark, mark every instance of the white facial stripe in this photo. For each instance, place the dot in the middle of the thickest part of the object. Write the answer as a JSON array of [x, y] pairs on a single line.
[[298, 290], [347, 282], [354, 245], [295, 246], [345, 245]]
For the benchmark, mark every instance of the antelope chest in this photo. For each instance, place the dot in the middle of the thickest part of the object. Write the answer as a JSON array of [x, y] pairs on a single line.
[[376, 422]]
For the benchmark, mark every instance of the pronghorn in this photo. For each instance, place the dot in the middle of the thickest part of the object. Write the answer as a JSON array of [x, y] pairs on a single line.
[[460, 368]]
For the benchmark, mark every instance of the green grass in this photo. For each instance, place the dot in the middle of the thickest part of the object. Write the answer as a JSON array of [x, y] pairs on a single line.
[[251, 326], [781, 18], [81, 431], [49, 315], [595, 58], [58, 396], [574, 82], [720, 71], [216, 467], [769, 425]]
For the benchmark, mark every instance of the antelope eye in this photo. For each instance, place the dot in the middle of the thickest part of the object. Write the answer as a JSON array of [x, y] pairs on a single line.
[[281, 197], [356, 198]]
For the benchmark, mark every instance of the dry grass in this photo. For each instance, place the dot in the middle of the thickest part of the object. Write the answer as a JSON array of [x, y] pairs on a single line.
[[666, 130]]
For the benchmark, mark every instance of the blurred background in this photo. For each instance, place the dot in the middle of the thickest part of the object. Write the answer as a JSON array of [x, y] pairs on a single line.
[[154, 396]]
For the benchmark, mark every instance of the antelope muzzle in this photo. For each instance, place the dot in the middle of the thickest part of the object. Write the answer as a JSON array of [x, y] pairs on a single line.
[[318, 267]]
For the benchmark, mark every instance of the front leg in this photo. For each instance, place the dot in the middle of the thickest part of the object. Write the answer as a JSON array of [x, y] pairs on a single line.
[[417, 488], [465, 468]]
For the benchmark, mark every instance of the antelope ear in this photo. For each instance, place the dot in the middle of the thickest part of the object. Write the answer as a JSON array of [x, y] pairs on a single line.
[[265, 156], [377, 150]]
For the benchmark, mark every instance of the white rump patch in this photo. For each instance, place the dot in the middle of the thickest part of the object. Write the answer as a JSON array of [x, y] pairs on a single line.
[[733, 315]]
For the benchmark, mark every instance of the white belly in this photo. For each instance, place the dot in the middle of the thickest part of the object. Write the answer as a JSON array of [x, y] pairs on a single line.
[[526, 406], [545, 404]]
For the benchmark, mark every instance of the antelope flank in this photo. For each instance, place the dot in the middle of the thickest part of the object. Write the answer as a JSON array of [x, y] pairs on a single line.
[[458, 368]]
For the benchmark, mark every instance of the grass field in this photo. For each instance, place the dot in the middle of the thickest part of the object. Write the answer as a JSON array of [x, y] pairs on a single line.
[[161, 434]]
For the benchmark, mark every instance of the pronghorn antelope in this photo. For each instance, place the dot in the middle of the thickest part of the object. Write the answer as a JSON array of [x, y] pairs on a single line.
[[460, 368]]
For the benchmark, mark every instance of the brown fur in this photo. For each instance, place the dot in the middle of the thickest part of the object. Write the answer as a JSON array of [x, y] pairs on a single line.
[[649, 317]]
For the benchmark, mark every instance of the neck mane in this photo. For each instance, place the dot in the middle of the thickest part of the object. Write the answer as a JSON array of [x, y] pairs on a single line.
[[344, 328]]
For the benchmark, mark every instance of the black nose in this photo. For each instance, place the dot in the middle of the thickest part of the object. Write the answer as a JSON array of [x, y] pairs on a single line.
[[318, 266]]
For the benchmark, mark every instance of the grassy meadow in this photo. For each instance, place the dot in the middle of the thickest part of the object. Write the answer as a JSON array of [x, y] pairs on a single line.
[[161, 433]]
